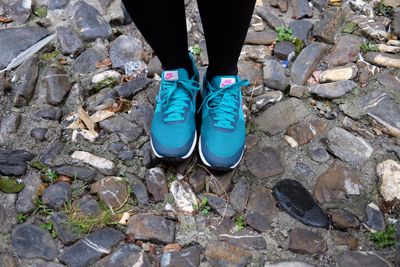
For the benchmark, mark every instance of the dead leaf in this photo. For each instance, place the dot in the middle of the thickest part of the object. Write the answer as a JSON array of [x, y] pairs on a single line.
[[86, 119], [5, 19], [103, 64], [63, 178], [40, 190], [392, 3], [101, 115], [172, 247]]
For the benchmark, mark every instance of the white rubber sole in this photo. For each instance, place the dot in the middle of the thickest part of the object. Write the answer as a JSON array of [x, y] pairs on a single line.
[[203, 159], [184, 157]]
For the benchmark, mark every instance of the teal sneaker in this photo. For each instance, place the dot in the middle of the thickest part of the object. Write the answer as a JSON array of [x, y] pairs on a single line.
[[223, 129], [173, 129]]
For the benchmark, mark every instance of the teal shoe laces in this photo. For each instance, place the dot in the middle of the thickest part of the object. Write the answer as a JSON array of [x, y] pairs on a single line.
[[224, 103], [175, 97]]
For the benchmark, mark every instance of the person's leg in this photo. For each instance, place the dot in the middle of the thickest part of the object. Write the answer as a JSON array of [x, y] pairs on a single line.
[[163, 24], [225, 24]]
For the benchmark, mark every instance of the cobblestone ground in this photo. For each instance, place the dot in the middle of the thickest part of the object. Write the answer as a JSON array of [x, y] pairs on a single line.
[[318, 186]]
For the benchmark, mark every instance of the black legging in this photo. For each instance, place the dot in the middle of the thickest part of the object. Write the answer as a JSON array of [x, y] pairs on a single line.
[[163, 25]]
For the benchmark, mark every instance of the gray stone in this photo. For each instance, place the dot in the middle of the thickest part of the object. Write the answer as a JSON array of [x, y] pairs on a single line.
[[326, 29], [279, 117], [261, 209], [57, 86], [343, 219], [25, 202], [220, 205], [301, 28], [396, 24], [26, 77], [142, 114], [306, 62], [7, 260], [90, 23], [127, 131], [348, 147], [386, 111], [91, 248], [274, 75], [103, 100], [221, 182], [303, 170], [154, 67], [375, 220], [112, 190], [140, 191], [151, 228], [266, 37], [264, 163], [125, 49], [240, 195], [16, 40], [39, 134], [288, 263], [301, 9], [57, 4], [85, 174], [88, 206], [188, 257], [132, 87], [10, 124], [319, 155], [251, 71], [30, 242], [49, 113], [266, 100], [8, 214], [198, 180], [305, 242], [284, 49], [220, 253], [69, 41], [320, 4], [86, 62], [57, 194], [13, 162], [157, 183], [333, 90], [360, 258], [63, 228], [127, 255], [272, 21], [346, 50]]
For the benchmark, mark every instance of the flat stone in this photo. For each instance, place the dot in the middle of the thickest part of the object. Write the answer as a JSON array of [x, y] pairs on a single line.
[[266, 37], [125, 49], [9, 127], [365, 71], [91, 248], [128, 255], [383, 59], [266, 100], [154, 67], [388, 48], [220, 205], [284, 49], [297, 91], [337, 183], [126, 130], [261, 209], [82, 173], [343, 219], [274, 75], [8, 214], [396, 24], [88, 206], [63, 228], [132, 87], [57, 4], [301, 9], [306, 62], [348, 147], [198, 180], [25, 202], [288, 264], [389, 174], [257, 53], [303, 170], [151, 228], [140, 191], [94, 161], [305, 131], [240, 195], [221, 182], [32, 242], [347, 72], [39, 134], [272, 21], [90, 23], [333, 90], [301, 29], [319, 155], [102, 100], [69, 41], [360, 258], [86, 62], [381, 107], [112, 190], [17, 40], [331, 21], [346, 50], [57, 86], [13, 162], [264, 163], [373, 29], [279, 117], [299, 203], [157, 183], [26, 78], [227, 231], [187, 257], [375, 221], [303, 241], [57, 194], [252, 72], [389, 80], [223, 254], [344, 239]]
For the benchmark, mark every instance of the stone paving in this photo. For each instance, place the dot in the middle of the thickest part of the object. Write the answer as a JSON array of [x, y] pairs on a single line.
[[320, 181]]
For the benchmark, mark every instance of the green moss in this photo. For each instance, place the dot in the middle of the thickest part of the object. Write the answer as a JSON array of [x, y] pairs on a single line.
[[384, 239], [10, 185]]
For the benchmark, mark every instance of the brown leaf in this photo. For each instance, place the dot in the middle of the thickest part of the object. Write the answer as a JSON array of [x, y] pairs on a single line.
[[63, 178], [172, 247], [5, 19], [40, 190], [103, 64]]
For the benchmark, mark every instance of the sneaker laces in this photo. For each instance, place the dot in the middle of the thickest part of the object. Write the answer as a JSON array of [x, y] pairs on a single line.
[[224, 103], [175, 97]]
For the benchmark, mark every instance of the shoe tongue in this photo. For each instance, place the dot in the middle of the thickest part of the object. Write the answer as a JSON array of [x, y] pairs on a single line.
[[173, 75], [222, 81]]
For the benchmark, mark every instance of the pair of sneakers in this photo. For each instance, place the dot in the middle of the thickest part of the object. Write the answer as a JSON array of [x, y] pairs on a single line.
[[173, 129]]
